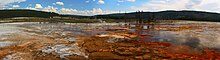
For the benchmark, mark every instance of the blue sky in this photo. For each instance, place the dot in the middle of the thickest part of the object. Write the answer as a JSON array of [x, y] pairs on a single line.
[[94, 7]]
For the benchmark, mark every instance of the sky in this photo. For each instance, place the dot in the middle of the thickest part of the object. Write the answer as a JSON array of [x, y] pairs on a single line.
[[94, 7]]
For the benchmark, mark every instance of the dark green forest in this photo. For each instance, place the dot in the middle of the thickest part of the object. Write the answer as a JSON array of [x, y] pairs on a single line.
[[166, 15], [33, 13], [162, 15], [25, 13]]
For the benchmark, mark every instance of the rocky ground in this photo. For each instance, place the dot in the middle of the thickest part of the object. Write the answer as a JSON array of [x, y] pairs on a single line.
[[111, 41]]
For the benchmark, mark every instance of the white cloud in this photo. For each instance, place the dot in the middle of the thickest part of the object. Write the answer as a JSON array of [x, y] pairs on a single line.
[[31, 8], [3, 3], [126, 0], [59, 3], [121, 1], [131, 0], [38, 6], [101, 2], [68, 11], [94, 11], [87, 1], [50, 9], [15, 6], [199, 5], [208, 5]]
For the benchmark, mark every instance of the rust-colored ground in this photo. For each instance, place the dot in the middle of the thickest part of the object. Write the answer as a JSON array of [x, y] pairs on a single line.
[[126, 46]]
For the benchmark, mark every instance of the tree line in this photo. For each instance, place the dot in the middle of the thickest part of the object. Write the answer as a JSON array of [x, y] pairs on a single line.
[[166, 15], [162, 15]]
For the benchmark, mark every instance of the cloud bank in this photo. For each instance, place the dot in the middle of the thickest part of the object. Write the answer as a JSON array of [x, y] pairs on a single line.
[[101, 2], [148, 5], [3, 3], [59, 3], [200, 5], [94, 11], [37, 6]]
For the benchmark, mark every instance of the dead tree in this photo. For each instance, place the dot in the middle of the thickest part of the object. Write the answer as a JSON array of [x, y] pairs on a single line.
[[139, 19]]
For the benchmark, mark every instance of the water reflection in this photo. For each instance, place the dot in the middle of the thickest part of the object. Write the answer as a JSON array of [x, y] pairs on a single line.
[[7, 28], [196, 38], [5, 43], [208, 38]]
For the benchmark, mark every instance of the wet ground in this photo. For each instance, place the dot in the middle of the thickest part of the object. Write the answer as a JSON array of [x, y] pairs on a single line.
[[59, 41]]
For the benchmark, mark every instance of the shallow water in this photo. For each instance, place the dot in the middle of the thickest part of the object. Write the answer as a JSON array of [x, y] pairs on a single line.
[[6, 43], [205, 37], [57, 32], [201, 38], [7, 28]]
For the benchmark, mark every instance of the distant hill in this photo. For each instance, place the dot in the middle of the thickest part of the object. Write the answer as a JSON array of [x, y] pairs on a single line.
[[162, 15], [75, 16], [25, 13], [167, 15], [33, 13]]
